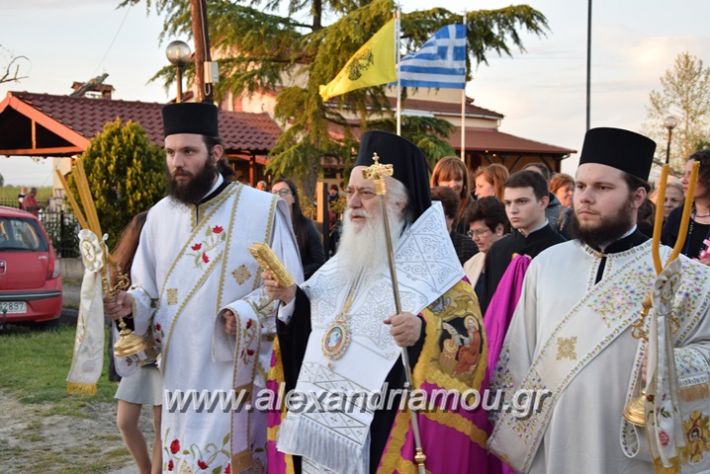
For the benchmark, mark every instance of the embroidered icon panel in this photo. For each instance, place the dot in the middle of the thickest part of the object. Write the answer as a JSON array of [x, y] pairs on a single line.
[[460, 343], [697, 437]]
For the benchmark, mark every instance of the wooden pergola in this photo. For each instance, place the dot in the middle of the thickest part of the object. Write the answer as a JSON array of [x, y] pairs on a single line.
[[45, 125]]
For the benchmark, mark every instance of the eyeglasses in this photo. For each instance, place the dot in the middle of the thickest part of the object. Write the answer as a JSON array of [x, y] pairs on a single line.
[[283, 192], [477, 233]]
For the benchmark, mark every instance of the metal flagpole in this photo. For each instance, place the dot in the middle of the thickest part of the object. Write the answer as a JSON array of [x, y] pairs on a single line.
[[463, 105], [589, 63], [377, 172], [397, 58]]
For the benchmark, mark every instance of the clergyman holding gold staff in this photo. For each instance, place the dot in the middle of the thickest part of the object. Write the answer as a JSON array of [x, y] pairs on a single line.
[[341, 332], [616, 327], [192, 274]]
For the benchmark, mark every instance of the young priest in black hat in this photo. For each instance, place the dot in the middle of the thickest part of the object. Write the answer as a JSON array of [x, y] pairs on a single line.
[[571, 333], [195, 285]]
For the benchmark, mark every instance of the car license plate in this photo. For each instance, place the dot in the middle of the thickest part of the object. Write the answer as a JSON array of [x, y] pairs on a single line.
[[12, 307]]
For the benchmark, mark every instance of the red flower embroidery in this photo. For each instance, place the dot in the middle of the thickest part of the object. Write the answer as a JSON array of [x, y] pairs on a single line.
[[205, 258], [175, 446], [196, 247], [157, 327], [228, 469], [250, 352], [217, 229], [663, 438], [170, 465], [249, 323], [201, 464]]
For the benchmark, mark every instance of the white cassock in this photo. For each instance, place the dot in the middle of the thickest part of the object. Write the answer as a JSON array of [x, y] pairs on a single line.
[[191, 262], [572, 336]]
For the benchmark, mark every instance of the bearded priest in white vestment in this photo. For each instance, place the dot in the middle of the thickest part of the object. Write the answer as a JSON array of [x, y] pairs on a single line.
[[192, 268], [571, 335]]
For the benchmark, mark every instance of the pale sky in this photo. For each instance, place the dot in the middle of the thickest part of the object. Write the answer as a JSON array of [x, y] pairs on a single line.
[[541, 92]]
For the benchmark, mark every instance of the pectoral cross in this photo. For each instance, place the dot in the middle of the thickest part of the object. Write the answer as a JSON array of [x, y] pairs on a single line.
[[377, 172]]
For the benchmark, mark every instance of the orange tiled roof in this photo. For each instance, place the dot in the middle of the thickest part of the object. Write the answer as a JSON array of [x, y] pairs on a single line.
[[240, 131], [494, 141], [485, 140]]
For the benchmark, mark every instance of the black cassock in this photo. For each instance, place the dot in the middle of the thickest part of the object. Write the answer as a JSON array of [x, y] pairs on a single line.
[[501, 253], [293, 338]]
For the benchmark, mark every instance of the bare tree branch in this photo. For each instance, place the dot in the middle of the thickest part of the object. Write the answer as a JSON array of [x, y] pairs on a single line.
[[12, 74]]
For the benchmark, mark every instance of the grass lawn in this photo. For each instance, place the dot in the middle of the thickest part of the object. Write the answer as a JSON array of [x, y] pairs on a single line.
[[54, 432], [35, 364]]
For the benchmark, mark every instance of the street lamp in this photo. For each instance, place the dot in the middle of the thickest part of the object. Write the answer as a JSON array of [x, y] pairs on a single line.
[[670, 123], [178, 53]]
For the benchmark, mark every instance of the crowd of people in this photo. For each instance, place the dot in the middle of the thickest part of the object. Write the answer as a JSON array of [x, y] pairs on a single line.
[[525, 281]]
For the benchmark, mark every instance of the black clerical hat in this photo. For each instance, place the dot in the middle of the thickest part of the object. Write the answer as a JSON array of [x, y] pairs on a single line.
[[621, 149], [190, 117], [410, 167]]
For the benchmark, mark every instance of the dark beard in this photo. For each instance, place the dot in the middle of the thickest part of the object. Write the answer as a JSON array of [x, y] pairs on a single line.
[[609, 230], [192, 191]]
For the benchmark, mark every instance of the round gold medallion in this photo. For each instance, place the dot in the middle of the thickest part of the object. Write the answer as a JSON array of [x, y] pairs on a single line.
[[336, 340]]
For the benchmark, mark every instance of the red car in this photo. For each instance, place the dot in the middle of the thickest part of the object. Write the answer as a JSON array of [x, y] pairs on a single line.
[[30, 284]]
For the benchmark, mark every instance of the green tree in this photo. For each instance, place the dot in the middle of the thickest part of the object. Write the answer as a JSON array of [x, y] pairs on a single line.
[[126, 175], [264, 47], [685, 93]]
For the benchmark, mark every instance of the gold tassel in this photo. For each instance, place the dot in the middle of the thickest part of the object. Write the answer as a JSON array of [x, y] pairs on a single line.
[[660, 469], [695, 392], [75, 388]]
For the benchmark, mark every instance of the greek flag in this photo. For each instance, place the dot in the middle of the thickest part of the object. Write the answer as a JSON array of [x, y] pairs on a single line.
[[441, 63]]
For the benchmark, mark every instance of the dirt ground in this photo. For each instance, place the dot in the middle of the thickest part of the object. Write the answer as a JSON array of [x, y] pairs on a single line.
[[85, 440], [31, 441]]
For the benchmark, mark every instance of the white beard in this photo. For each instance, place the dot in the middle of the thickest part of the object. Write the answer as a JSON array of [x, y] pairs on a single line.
[[365, 249]]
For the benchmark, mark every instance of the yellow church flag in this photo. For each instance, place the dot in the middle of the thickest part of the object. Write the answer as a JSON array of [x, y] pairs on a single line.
[[373, 64]]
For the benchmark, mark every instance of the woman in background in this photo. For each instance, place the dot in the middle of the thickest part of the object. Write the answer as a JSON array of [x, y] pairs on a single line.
[[145, 385], [490, 180], [699, 224], [451, 172], [562, 186], [309, 241], [464, 246], [488, 223], [675, 195]]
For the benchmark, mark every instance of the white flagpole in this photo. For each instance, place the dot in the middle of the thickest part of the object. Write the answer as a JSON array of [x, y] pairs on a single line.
[[397, 58], [463, 106]]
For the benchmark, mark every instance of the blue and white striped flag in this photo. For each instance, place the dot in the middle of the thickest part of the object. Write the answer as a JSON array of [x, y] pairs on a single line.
[[441, 63]]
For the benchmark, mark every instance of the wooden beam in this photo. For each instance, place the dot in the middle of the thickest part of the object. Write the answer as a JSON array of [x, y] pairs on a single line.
[[54, 151], [46, 121], [34, 133]]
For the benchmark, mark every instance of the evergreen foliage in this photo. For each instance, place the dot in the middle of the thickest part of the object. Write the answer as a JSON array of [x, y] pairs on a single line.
[[264, 47], [126, 175]]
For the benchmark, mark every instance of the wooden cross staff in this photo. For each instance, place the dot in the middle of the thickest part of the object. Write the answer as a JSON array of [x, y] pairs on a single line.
[[378, 172]]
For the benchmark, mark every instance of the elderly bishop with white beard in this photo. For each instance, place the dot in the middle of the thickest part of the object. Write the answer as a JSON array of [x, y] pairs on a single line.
[[338, 335]]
